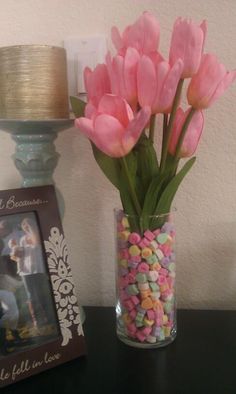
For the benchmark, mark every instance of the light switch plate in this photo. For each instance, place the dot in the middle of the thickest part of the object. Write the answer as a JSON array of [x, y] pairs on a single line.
[[82, 52]]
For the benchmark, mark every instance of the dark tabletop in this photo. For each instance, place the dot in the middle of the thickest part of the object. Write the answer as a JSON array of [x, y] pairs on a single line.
[[201, 360]]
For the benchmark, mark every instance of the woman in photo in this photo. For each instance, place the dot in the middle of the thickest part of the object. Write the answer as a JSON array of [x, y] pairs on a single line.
[[30, 266]]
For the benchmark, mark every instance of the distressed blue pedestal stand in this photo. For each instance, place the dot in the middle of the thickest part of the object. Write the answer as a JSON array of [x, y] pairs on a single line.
[[35, 156]]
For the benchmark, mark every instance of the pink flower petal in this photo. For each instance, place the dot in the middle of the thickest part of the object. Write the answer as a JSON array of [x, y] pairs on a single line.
[[170, 86], [156, 57], [149, 29], [203, 85], [203, 26], [146, 81], [131, 60], [161, 72], [192, 135], [117, 107], [118, 70], [100, 83], [178, 123], [97, 83], [135, 128], [86, 126], [187, 44], [126, 38], [90, 110], [143, 35], [112, 75], [108, 133], [228, 79], [116, 38]]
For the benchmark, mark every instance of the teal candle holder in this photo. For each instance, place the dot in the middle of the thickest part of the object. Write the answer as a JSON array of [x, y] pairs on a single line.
[[35, 156]]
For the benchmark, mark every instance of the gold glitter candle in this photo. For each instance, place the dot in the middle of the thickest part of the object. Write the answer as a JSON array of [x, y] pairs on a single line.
[[33, 83]]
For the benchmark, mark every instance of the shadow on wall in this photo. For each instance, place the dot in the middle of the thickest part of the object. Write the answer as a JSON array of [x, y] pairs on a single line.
[[207, 270]]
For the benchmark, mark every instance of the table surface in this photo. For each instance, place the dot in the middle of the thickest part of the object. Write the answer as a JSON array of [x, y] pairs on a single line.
[[201, 360]]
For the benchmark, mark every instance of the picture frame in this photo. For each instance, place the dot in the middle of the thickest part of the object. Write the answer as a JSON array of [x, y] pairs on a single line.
[[40, 325]]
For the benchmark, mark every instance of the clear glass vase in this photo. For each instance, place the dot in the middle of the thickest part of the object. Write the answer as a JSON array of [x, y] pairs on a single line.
[[145, 280]]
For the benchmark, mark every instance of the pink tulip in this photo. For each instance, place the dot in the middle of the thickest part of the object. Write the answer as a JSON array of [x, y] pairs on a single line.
[[114, 128], [122, 71], [210, 82], [97, 83], [187, 44], [143, 35], [157, 84], [192, 135]]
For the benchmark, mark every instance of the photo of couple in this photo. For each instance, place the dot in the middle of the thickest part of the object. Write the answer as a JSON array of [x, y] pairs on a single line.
[[27, 312]]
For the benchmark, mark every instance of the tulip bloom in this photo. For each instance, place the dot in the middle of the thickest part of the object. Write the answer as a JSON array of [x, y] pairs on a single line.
[[210, 82], [143, 35], [192, 136], [122, 71], [114, 128], [97, 83], [187, 44], [157, 84]]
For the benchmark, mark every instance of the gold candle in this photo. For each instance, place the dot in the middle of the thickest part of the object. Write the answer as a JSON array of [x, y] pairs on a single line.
[[33, 83]]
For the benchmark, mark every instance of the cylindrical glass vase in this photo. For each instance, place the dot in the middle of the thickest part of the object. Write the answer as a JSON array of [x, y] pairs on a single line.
[[145, 280]]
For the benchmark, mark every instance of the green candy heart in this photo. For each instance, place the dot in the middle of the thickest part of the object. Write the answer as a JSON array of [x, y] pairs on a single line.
[[162, 238]]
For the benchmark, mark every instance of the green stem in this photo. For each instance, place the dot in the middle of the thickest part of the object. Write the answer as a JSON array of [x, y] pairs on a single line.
[[165, 122], [152, 127], [164, 128], [183, 132], [174, 168], [181, 139], [130, 186], [166, 140]]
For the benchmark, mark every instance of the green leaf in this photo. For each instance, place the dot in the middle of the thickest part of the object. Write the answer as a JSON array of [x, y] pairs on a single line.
[[129, 208], [78, 106], [131, 160], [168, 194], [151, 199], [170, 164], [147, 165], [128, 181], [155, 189], [125, 193], [110, 166]]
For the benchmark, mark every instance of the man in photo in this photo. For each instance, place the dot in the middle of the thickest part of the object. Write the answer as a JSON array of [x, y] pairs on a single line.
[[9, 312]]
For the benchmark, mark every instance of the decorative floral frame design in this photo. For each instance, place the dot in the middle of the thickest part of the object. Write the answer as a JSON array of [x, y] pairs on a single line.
[[63, 286]]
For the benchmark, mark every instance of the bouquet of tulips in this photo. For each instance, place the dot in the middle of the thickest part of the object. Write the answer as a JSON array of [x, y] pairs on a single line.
[[128, 92]]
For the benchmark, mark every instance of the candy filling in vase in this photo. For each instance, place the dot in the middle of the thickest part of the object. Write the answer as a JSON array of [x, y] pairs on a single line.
[[145, 280]]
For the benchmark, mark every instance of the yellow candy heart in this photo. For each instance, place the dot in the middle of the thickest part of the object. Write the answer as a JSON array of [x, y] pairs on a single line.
[[134, 250], [148, 322], [124, 235]]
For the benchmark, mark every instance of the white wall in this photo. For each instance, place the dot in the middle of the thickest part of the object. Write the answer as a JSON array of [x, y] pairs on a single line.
[[206, 203]]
